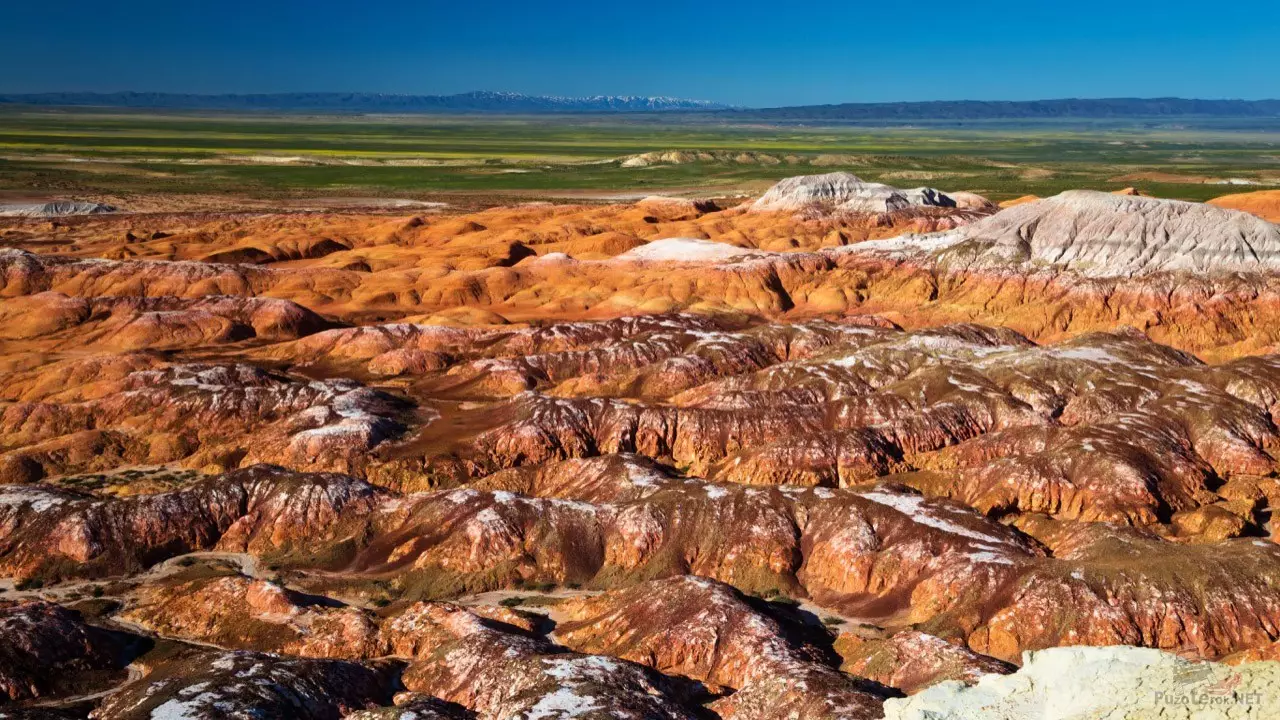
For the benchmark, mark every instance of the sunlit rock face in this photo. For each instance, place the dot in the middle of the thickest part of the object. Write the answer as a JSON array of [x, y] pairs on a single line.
[[845, 451], [1081, 683], [1103, 235], [846, 193]]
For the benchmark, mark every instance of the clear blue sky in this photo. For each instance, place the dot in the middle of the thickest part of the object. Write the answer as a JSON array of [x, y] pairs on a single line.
[[748, 52]]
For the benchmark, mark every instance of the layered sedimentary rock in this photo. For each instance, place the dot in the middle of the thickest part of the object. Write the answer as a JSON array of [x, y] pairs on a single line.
[[415, 706], [1101, 235], [1263, 203], [703, 629], [238, 612], [660, 460], [71, 416], [843, 192], [1074, 279], [51, 321], [912, 661], [57, 533], [500, 675], [46, 649], [205, 684], [877, 552], [494, 237]]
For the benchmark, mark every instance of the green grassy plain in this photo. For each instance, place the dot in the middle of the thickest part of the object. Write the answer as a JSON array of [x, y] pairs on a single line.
[[87, 152]]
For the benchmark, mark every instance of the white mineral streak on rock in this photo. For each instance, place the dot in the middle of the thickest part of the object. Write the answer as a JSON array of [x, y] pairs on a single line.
[[1103, 235]]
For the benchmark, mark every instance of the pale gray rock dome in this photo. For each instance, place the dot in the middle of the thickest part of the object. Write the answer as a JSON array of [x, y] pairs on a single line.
[[1102, 235], [843, 192], [55, 208]]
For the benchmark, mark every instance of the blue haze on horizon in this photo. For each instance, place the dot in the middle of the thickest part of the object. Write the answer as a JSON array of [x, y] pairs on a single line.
[[750, 53]]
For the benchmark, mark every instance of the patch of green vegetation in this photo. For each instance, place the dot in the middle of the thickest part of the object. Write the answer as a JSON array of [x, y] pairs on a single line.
[[326, 556], [130, 480], [280, 156], [437, 583], [537, 586], [542, 601], [96, 607]]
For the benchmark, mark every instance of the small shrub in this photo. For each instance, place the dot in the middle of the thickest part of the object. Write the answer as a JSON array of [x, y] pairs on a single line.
[[511, 602]]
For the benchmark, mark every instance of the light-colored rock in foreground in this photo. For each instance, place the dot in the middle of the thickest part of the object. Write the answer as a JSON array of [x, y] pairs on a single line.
[[1079, 683], [1103, 235]]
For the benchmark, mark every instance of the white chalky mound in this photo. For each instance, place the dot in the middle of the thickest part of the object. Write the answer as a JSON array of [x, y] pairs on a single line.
[[1086, 683], [56, 208], [1103, 235], [686, 250], [842, 192]]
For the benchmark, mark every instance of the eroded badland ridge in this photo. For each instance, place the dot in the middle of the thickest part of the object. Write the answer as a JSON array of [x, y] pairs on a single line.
[[844, 450]]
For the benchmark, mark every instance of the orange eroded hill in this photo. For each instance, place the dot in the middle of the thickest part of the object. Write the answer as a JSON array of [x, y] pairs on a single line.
[[1263, 203]]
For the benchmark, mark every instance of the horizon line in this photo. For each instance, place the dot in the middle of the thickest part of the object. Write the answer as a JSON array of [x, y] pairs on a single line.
[[677, 98]]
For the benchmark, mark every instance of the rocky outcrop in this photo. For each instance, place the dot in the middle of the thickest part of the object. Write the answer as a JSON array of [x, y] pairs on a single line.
[[50, 533], [238, 612], [1116, 586], [206, 684], [972, 201], [460, 659], [50, 321], [757, 539], [53, 208], [46, 649], [415, 706], [1263, 203], [219, 415], [842, 192], [686, 443], [1080, 683], [913, 280], [1105, 427], [706, 630], [912, 661], [685, 250], [1105, 235]]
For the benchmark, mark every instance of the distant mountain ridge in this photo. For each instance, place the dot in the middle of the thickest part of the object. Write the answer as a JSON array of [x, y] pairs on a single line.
[[472, 102], [1027, 109], [485, 102]]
